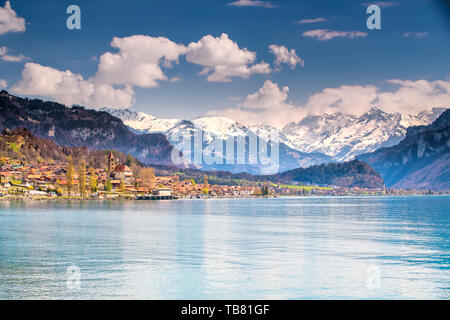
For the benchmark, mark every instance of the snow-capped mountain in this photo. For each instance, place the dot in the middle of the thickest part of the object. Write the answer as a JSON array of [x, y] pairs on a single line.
[[344, 136], [227, 129], [313, 140], [141, 122], [218, 128]]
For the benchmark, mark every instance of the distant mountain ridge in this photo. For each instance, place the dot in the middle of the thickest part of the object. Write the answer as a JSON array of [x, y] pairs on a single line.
[[420, 161], [221, 128], [340, 137], [344, 136], [77, 127]]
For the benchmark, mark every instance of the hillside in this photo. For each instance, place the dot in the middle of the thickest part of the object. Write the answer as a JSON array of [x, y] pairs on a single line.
[[78, 127], [347, 174], [420, 161], [22, 145]]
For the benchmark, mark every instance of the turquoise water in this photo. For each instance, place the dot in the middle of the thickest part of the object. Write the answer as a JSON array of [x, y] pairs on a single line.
[[284, 248]]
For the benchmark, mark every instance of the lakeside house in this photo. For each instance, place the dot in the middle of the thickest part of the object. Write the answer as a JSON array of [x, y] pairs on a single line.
[[163, 192], [122, 172]]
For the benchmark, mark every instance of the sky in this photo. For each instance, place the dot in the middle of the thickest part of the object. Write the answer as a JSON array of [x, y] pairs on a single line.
[[257, 62]]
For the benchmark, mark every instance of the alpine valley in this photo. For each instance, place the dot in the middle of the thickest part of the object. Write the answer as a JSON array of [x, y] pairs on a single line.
[[407, 151]]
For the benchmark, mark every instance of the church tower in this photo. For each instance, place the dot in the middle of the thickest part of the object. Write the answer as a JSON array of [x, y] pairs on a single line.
[[111, 162]]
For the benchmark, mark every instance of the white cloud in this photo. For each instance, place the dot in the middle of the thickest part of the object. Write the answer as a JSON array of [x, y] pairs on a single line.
[[416, 34], [269, 104], [70, 88], [10, 58], [138, 62], [284, 55], [325, 34], [3, 83], [108, 96], [175, 79], [408, 97], [9, 21], [222, 59], [268, 96], [314, 20], [252, 3], [413, 96], [346, 99]]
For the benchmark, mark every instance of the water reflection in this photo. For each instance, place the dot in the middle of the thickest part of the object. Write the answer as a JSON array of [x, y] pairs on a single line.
[[232, 249]]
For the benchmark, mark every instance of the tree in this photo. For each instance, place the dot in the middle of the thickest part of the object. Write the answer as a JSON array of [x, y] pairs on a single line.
[[59, 192], [69, 175], [265, 190], [136, 172], [108, 185], [147, 176], [93, 183], [205, 181], [82, 178], [129, 160], [122, 186]]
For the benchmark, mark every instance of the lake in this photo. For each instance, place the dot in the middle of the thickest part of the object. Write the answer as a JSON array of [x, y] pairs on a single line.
[[278, 248]]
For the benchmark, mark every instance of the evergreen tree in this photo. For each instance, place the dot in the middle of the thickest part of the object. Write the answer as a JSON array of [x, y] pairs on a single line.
[[129, 160], [265, 190]]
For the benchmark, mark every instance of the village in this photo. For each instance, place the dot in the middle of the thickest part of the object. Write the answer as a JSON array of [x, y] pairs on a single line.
[[62, 180]]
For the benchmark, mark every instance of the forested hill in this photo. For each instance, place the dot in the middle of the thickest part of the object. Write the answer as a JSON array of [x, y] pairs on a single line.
[[22, 145], [347, 174], [78, 127]]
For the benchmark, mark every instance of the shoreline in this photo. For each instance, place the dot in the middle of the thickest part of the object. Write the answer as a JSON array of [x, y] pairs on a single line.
[[26, 199]]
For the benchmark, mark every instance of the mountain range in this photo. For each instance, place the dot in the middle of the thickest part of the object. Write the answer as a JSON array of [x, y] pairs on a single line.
[[420, 161], [313, 140], [219, 128], [408, 151], [344, 136]]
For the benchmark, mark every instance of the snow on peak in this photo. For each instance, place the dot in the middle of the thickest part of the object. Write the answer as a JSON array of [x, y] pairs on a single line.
[[341, 136], [142, 122], [346, 136]]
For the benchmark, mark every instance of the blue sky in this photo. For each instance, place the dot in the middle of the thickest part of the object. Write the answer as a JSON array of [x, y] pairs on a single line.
[[413, 44]]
